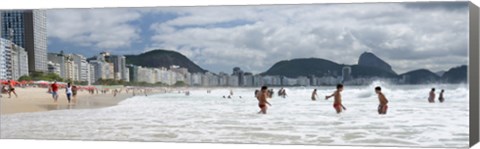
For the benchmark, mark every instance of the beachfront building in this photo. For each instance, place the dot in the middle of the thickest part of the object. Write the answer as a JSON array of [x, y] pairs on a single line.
[[119, 66], [133, 72], [27, 29], [145, 75], [98, 70], [346, 73], [4, 61], [222, 79], [71, 69], [53, 68], [57, 59], [196, 79], [232, 81], [83, 68], [13, 60], [303, 81], [91, 74]]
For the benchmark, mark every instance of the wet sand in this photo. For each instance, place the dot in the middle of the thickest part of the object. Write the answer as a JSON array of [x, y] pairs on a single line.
[[37, 100]]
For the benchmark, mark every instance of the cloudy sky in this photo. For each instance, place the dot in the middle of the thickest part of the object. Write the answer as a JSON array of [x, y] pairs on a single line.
[[409, 36]]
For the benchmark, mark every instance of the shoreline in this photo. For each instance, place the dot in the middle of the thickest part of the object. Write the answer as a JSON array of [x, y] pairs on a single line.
[[37, 100]]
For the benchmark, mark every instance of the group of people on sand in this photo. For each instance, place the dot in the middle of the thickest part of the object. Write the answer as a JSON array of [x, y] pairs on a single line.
[[70, 92], [431, 96], [9, 88], [262, 96]]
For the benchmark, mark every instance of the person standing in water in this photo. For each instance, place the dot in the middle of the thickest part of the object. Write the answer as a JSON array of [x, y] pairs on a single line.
[[440, 97], [382, 107], [337, 104], [314, 95], [68, 90], [262, 100], [431, 97]]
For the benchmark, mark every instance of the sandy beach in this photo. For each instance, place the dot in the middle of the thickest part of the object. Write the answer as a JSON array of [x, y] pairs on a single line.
[[37, 100]]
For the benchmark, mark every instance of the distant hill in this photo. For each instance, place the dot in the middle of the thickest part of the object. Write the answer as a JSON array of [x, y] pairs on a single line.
[[304, 67], [163, 58], [455, 75], [321, 67], [440, 73], [420, 76], [367, 71], [371, 60]]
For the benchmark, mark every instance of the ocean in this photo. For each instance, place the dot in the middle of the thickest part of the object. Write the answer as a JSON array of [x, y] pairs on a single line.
[[296, 119]]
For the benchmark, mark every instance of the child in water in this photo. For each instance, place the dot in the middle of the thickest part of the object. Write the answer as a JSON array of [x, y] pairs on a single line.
[[337, 104], [382, 107]]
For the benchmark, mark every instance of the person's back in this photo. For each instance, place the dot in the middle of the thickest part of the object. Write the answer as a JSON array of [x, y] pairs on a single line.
[[314, 95], [441, 98], [431, 97]]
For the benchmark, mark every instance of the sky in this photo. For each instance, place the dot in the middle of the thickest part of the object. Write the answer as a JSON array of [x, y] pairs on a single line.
[[408, 36]]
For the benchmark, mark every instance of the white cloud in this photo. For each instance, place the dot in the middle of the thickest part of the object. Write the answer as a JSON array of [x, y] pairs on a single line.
[[94, 28], [406, 38]]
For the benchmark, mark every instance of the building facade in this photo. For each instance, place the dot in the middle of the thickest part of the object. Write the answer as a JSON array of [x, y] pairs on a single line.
[[27, 29], [13, 60]]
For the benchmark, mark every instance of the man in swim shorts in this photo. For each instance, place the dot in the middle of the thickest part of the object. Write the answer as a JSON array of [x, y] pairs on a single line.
[[382, 107], [337, 104], [262, 100]]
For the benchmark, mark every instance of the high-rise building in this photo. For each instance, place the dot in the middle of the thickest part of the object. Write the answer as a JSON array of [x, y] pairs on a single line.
[[27, 29], [57, 59], [119, 66], [83, 68], [13, 60], [346, 73]]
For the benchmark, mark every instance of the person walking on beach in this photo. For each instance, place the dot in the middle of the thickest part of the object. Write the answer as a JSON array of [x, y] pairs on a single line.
[[337, 104], [314, 95], [431, 97], [262, 100], [382, 107], [440, 97], [74, 93], [11, 89], [68, 90], [54, 91]]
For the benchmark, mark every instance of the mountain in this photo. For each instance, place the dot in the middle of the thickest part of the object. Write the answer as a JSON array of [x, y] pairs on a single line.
[[304, 67], [420, 76], [455, 75], [359, 71], [163, 58], [440, 73], [321, 67], [371, 60]]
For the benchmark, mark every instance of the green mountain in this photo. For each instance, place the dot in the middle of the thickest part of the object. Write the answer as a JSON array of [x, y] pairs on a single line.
[[455, 75], [420, 76], [321, 67], [304, 67], [371, 60], [163, 58]]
